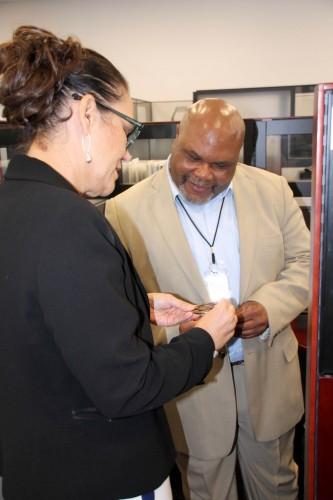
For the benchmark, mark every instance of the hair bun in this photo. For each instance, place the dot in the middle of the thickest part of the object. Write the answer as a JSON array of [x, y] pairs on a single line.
[[33, 67]]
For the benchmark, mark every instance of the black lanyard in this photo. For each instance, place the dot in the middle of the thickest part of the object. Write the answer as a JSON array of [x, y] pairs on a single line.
[[211, 245]]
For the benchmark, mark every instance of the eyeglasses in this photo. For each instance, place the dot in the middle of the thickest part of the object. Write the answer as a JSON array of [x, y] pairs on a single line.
[[137, 126]]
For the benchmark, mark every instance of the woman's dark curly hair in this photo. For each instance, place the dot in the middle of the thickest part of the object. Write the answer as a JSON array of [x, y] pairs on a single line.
[[39, 72]]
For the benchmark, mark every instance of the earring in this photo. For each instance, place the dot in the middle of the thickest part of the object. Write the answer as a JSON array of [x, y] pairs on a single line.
[[86, 145]]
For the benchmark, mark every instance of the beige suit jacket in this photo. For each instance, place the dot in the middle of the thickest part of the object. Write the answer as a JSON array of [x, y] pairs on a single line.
[[274, 263]]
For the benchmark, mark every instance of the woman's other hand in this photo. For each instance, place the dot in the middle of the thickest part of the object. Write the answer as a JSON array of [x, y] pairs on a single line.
[[219, 322], [168, 310]]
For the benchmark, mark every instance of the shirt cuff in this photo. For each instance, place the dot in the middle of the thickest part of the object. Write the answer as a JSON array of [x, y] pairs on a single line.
[[265, 334]]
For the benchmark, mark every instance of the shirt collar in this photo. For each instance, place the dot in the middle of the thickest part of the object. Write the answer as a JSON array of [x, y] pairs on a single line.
[[175, 191]]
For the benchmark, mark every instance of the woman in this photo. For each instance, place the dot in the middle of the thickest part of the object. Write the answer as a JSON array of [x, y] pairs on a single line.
[[81, 383]]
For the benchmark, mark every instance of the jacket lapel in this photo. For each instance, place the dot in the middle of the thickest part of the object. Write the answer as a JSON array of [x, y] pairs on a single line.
[[245, 193], [171, 230]]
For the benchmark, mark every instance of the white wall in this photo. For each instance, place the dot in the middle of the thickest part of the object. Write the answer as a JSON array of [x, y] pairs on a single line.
[[169, 49]]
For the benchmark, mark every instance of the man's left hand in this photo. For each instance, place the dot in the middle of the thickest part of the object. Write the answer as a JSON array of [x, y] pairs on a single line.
[[252, 320]]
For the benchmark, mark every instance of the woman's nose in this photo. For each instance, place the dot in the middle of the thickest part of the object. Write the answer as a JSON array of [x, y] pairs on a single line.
[[127, 156]]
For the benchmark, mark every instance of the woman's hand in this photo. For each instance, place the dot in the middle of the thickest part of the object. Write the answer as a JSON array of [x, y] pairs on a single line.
[[187, 325], [219, 322], [167, 310]]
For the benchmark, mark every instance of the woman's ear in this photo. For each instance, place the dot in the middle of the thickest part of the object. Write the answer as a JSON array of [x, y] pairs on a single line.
[[87, 112]]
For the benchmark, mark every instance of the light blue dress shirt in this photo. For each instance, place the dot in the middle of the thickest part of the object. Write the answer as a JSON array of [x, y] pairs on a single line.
[[226, 247]]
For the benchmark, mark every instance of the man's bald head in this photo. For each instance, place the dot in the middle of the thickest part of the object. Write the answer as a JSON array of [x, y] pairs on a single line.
[[215, 118], [206, 150]]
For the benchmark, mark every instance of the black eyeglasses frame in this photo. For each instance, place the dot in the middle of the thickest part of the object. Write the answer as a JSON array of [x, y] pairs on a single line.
[[138, 126]]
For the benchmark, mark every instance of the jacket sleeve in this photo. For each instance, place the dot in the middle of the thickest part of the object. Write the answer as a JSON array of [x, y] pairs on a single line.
[[287, 296], [95, 308]]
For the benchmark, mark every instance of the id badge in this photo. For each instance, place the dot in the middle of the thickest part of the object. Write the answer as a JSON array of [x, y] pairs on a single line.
[[217, 284]]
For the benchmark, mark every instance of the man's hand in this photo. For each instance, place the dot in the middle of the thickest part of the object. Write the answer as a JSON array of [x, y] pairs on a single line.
[[252, 320], [167, 310]]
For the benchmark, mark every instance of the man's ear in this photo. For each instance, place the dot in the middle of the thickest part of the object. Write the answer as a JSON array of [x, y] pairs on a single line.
[[87, 112]]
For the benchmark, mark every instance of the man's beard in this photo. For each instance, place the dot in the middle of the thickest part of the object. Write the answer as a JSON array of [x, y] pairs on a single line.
[[194, 200]]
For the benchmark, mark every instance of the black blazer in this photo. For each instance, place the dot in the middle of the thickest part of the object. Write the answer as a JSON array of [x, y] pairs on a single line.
[[81, 383]]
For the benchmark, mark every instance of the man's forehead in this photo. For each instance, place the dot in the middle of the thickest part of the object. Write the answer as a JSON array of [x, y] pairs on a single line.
[[208, 137]]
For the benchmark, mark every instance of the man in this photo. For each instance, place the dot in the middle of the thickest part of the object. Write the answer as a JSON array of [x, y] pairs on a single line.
[[206, 227]]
